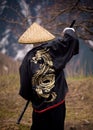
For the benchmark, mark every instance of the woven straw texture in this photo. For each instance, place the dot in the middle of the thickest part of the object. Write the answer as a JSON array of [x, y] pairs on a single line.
[[35, 34]]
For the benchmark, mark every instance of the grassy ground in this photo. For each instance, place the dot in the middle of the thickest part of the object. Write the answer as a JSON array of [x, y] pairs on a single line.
[[79, 102]]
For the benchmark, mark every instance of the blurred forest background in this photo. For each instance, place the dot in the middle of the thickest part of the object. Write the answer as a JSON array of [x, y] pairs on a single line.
[[54, 15]]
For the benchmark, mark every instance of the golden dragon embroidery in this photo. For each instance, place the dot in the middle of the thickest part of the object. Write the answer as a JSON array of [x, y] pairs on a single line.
[[44, 78]]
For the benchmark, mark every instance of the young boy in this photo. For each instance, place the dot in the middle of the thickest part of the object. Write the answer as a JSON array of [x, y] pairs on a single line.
[[42, 76]]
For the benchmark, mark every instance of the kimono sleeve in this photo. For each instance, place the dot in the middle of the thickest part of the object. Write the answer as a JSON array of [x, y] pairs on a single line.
[[25, 80], [64, 48]]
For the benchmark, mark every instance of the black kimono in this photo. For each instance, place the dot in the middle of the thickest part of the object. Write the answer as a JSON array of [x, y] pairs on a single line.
[[43, 81]]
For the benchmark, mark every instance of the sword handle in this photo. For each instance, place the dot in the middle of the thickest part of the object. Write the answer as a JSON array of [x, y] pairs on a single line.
[[72, 24]]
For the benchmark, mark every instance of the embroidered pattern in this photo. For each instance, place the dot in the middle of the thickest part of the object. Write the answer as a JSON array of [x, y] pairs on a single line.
[[44, 77]]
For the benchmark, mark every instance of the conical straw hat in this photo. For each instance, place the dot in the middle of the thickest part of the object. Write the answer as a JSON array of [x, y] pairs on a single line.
[[35, 34]]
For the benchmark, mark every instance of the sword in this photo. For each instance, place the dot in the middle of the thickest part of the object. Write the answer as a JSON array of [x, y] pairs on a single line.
[[22, 113], [72, 24]]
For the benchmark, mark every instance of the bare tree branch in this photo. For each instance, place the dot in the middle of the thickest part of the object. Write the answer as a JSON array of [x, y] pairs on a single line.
[[86, 9], [11, 21], [57, 16]]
